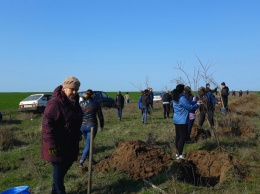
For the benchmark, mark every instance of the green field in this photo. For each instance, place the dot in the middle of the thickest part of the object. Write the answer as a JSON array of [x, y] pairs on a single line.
[[10, 100]]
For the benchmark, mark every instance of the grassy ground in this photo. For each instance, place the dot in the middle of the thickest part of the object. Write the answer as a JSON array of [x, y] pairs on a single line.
[[21, 163]]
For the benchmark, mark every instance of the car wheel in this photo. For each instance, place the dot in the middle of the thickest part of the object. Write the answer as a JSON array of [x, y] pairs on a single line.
[[41, 109]]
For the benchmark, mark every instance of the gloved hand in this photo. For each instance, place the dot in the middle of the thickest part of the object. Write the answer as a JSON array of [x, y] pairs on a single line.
[[53, 151], [219, 102]]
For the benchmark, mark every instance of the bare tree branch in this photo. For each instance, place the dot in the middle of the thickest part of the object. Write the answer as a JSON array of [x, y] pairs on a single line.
[[198, 74], [147, 81], [179, 81], [205, 74], [138, 87]]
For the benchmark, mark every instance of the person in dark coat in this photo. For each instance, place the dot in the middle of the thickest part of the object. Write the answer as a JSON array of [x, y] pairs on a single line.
[[145, 105], [150, 94], [240, 93], [61, 133], [91, 110], [208, 106], [119, 104], [215, 90], [167, 99], [224, 95]]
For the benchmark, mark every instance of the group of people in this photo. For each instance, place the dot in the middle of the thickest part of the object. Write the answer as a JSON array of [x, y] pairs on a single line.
[[185, 105], [145, 103], [240, 93], [66, 119]]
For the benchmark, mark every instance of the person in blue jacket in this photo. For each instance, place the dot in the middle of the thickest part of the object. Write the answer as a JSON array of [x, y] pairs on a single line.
[[208, 107], [140, 102], [181, 107]]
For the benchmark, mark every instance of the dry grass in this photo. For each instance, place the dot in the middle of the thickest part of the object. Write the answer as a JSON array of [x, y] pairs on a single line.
[[6, 137]]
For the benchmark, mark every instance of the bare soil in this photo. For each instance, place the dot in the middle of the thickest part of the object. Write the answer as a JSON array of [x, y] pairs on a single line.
[[200, 167], [136, 158], [209, 168]]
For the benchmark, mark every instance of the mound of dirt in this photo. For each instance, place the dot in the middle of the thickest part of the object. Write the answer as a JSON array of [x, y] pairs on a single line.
[[245, 106], [235, 125], [136, 158], [198, 133], [210, 168]]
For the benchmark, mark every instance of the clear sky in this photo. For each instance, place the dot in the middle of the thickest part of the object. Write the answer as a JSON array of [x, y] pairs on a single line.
[[113, 45]]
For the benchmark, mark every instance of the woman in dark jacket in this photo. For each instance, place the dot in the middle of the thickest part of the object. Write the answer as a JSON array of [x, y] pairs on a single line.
[[119, 104], [91, 110], [61, 133], [145, 105], [167, 99]]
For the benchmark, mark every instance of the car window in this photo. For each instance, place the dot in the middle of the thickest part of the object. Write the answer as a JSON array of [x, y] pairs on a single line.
[[34, 97], [97, 95], [46, 97], [104, 95]]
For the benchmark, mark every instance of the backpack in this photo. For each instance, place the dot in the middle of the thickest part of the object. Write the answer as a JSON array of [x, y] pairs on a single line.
[[148, 101], [120, 99], [225, 91]]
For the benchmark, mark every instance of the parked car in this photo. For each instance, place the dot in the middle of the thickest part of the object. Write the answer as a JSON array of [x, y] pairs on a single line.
[[102, 97], [157, 96], [35, 103]]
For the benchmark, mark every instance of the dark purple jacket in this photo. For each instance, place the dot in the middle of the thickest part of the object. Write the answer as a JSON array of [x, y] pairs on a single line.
[[61, 127]]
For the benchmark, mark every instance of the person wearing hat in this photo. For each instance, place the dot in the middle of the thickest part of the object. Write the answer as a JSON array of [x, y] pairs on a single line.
[[214, 90], [61, 133], [224, 95], [181, 107], [167, 99]]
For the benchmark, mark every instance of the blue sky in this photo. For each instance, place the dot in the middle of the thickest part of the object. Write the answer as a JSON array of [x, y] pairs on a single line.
[[113, 45]]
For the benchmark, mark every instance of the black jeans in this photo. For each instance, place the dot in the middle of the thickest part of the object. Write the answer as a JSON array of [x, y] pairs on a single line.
[[209, 114], [225, 102], [181, 136], [166, 110], [59, 171]]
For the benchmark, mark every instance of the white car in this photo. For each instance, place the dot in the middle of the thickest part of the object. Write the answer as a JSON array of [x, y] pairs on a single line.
[[157, 96], [34, 103]]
